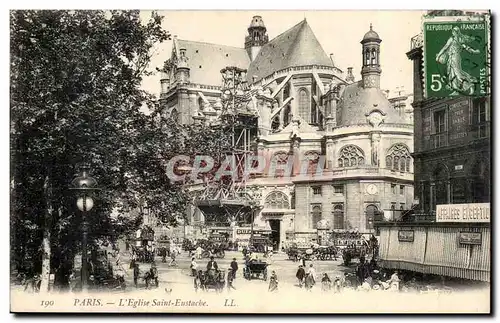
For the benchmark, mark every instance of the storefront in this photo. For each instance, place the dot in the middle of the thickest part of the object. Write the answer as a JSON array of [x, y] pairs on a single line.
[[457, 245]]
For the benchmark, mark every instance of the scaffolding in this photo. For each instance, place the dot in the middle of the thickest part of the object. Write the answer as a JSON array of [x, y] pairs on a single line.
[[227, 200]]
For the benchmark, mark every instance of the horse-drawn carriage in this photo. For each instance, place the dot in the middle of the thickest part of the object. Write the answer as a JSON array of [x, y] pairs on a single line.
[[212, 248], [212, 279], [255, 269], [353, 252], [326, 253]]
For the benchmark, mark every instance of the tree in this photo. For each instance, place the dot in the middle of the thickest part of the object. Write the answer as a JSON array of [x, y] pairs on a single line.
[[76, 97]]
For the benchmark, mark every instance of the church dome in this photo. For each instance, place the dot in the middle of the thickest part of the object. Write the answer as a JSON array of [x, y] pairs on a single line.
[[371, 35], [257, 22], [358, 103]]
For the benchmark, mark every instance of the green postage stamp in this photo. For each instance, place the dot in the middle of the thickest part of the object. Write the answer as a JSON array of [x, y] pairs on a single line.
[[457, 56]]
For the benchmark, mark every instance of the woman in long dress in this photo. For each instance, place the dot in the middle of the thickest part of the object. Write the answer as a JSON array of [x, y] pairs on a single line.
[[273, 282], [450, 55]]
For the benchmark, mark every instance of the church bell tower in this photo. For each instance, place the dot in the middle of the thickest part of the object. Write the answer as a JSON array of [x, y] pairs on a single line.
[[257, 37], [371, 70]]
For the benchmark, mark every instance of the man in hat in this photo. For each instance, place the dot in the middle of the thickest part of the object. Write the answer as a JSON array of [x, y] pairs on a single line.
[[136, 273], [212, 264], [234, 268]]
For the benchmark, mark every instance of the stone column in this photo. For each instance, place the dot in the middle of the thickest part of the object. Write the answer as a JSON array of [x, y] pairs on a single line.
[[295, 101], [431, 195]]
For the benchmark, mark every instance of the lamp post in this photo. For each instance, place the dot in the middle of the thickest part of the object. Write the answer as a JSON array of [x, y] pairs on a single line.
[[84, 185]]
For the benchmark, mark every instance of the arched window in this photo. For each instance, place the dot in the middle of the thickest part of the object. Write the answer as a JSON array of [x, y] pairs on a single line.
[[279, 164], [316, 215], [398, 158], [174, 115], [367, 57], [304, 104], [371, 211], [338, 216], [276, 200], [312, 159], [388, 162], [374, 57], [351, 156], [287, 115], [200, 103]]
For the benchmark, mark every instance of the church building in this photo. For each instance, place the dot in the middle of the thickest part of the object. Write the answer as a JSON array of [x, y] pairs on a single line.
[[309, 109]]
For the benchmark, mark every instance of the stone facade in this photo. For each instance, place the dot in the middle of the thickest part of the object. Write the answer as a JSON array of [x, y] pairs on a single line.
[[309, 110]]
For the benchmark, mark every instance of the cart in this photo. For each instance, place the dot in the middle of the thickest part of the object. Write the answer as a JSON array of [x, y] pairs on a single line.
[[254, 269]]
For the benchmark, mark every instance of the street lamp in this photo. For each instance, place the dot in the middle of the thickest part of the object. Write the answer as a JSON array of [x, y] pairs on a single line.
[[84, 185]]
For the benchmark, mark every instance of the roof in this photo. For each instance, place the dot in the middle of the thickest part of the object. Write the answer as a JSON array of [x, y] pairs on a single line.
[[371, 35], [206, 60], [295, 47], [257, 22], [356, 102]]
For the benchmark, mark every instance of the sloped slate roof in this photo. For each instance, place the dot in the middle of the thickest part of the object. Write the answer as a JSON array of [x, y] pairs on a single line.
[[295, 47], [206, 60], [357, 101]]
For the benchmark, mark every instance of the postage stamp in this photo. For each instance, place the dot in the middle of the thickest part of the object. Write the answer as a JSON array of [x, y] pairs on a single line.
[[456, 56]]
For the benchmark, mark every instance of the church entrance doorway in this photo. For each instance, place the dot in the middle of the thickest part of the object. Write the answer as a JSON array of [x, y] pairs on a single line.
[[275, 233]]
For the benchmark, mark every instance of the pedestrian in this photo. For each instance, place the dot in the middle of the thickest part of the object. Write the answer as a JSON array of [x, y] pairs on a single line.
[[172, 261], [301, 273], [337, 284], [133, 260], [230, 279], [136, 274], [312, 272], [212, 264], [304, 261], [326, 283], [194, 267], [234, 267], [154, 274], [273, 282], [199, 250]]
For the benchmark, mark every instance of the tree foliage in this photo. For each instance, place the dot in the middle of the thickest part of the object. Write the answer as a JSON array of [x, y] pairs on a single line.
[[76, 97]]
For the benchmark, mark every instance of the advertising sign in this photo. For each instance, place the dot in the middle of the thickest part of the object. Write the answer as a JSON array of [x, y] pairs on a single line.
[[406, 235], [473, 212], [473, 238]]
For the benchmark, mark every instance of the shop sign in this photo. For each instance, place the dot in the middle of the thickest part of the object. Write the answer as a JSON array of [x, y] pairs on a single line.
[[406, 235], [470, 238], [472, 212]]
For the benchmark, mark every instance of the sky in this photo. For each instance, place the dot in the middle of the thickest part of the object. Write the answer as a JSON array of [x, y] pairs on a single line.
[[339, 33]]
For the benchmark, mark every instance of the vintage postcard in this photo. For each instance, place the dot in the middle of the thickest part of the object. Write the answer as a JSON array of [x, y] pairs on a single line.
[[250, 161]]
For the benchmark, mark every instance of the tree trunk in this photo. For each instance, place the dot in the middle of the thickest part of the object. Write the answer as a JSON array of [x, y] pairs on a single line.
[[44, 285]]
